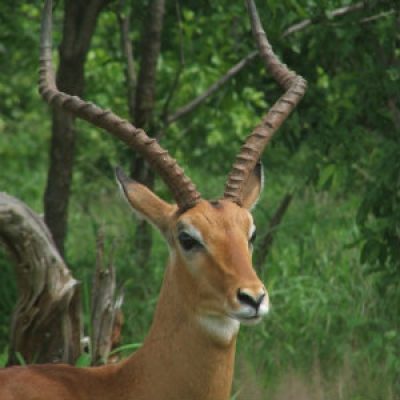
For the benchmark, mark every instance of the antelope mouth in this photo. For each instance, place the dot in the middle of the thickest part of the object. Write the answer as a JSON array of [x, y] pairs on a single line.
[[248, 319], [251, 314]]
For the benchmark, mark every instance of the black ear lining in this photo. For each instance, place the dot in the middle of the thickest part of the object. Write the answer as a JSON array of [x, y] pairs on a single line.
[[258, 171], [121, 176], [122, 179]]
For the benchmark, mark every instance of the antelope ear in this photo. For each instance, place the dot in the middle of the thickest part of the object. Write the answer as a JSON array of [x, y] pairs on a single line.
[[253, 187], [145, 203]]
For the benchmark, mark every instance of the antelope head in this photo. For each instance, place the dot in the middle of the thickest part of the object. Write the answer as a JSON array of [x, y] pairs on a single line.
[[210, 242], [210, 247]]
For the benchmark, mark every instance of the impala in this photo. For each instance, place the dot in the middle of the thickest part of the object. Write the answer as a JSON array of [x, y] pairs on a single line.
[[210, 286]]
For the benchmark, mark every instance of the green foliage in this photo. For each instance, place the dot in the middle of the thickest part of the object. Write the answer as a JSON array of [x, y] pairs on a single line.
[[84, 360], [333, 271], [3, 357], [8, 297], [328, 327], [379, 216]]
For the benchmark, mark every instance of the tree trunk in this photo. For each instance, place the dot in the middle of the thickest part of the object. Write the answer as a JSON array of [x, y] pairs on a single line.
[[144, 104], [80, 19]]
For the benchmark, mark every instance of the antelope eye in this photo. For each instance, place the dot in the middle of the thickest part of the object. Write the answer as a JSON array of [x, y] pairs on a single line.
[[188, 242]]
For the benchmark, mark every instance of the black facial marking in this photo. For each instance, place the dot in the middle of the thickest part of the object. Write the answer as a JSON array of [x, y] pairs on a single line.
[[216, 204]]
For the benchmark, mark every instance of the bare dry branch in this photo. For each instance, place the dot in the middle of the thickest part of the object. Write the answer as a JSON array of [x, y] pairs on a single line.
[[266, 241], [105, 309], [373, 18], [335, 13], [46, 326]]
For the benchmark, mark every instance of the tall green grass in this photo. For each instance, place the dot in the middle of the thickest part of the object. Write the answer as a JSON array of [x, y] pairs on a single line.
[[329, 333]]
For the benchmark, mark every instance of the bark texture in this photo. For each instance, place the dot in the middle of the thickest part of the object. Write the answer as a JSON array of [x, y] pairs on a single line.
[[106, 315], [142, 113], [46, 324], [80, 19]]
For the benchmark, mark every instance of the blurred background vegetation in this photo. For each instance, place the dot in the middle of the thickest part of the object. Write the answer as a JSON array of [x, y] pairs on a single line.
[[333, 270]]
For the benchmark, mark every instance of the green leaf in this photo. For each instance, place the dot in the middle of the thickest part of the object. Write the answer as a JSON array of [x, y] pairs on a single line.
[[130, 347], [20, 359], [370, 252], [326, 175], [272, 6], [84, 360]]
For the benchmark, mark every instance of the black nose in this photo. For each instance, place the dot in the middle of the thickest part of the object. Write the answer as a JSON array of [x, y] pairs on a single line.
[[249, 299]]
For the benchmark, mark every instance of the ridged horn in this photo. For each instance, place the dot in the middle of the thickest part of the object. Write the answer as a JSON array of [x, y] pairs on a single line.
[[180, 186], [295, 87]]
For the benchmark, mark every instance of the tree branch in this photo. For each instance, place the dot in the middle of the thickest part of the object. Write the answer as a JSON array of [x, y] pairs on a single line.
[[213, 88], [266, 242], [178, 73], [126, 44], [335, 13], [377, 16]]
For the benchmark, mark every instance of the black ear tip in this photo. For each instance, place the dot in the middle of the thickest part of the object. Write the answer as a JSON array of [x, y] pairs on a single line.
[[258, 169], [259, 173], [121, 175]]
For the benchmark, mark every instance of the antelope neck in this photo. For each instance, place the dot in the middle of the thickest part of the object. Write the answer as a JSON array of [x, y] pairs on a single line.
[[178, 345]]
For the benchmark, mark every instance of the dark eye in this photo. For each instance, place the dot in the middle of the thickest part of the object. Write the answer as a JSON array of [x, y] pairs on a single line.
[[188, 242], [252, 239]]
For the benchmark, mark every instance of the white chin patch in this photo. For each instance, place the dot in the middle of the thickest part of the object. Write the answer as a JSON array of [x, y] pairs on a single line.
[[251, 321], [222, 329]]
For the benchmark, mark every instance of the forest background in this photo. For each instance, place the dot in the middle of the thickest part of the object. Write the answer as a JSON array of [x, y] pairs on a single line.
[[333, 268]]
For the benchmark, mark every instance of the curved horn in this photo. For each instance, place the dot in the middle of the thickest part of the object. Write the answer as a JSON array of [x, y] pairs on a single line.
[[181, 187], [295, 87]]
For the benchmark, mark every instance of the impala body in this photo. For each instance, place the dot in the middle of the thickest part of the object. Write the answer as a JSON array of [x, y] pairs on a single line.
[[210, 286]]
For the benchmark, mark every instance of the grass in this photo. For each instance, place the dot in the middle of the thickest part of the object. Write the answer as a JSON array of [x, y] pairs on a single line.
[[329, 334]]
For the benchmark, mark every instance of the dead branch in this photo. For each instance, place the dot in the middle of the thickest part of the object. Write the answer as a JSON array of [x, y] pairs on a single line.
[[266, 242], [373, 18], [335, 13], [106, 317], [46, 326]]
